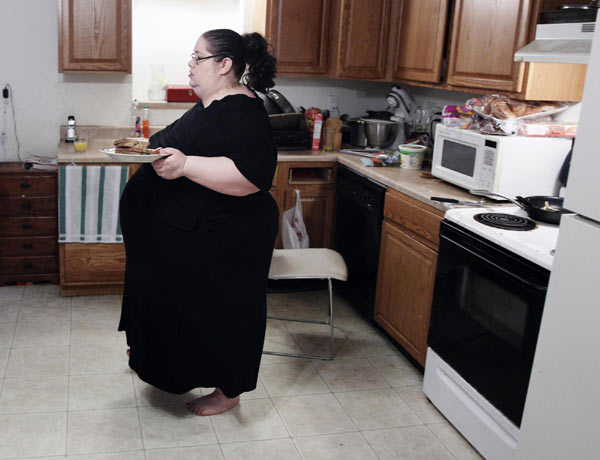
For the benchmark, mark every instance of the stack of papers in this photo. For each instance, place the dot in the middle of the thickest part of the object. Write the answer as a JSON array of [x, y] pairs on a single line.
[[35, 162]]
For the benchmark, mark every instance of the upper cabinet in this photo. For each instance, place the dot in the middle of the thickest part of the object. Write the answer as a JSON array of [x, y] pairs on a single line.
[[418, 47], [298, 31], [485, 36], [94, 36], [360, 47]]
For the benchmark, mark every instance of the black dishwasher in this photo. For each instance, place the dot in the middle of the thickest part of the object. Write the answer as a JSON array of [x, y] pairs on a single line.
[[359, 214]]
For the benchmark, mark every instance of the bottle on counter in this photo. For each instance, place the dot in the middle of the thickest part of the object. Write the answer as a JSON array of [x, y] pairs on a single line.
[[146, 122], [71, 129], [137, 119]]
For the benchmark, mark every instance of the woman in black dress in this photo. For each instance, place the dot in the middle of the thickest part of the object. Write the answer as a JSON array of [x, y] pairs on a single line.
[[199, 229]]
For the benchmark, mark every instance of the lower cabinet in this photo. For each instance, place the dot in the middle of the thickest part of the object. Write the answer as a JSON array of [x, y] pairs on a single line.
[[406, 275]]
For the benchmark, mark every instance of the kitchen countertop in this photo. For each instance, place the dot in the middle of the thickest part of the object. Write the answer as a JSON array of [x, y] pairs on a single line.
[[408, 181]]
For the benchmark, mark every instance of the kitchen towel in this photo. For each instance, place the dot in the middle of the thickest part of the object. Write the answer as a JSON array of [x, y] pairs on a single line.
[[88, 203]]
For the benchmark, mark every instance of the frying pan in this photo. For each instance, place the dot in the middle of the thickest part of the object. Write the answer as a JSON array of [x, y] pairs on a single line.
[[542, 208]]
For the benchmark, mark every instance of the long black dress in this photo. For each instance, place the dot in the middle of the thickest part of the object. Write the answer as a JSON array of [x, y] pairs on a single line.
[[194, 303]]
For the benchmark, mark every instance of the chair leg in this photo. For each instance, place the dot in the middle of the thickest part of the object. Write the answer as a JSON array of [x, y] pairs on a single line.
[[329, 322]]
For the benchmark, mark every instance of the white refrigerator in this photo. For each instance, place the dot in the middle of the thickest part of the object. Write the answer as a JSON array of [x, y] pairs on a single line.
[[562, 410]]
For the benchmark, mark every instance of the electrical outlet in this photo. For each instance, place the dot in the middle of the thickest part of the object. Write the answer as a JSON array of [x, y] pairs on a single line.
[[332, 101]]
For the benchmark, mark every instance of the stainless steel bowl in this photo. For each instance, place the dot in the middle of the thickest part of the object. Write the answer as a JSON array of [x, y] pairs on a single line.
[[380, 133]]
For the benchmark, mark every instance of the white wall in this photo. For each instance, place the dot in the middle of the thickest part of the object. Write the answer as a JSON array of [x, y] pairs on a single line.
[[43, 98]]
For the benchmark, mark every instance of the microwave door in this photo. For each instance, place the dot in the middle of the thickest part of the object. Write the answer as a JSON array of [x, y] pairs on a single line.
[[458, 162]]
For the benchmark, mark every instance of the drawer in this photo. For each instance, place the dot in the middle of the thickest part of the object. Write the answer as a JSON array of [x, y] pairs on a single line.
[[28, 185], [28, 206], [28, 265], [421, 221], [28, 226], [93, 262], [29, 246]]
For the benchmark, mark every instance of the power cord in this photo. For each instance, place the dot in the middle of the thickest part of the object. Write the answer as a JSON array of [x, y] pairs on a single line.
[[7, 97]]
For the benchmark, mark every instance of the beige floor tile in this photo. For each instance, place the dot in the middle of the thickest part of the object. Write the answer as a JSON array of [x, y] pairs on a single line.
[[41, 291], [138, 455], [292, 378], [313, 414], [47, 333], [275, 328], [350, 374], [17, 441], [174, 426], [101, 307], [410, 443], [148, 395], [109, 430], [373, 344], [42, 394], [454, 442], [251, 420], [99, 359], [42, 309], [320, 346], [38, 362], [4, 353], [99, 331], [186, 453], [278, 449], [396, 370], [101, 391], [9, 310], [345, 446], [7, 331], [419, 404], [282, 344], [11, 293], [383, 408]]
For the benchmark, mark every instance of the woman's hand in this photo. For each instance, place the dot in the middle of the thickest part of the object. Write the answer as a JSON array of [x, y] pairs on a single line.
[[170, 167]]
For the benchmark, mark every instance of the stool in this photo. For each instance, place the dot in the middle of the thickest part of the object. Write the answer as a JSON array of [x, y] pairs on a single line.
[[310, 263]]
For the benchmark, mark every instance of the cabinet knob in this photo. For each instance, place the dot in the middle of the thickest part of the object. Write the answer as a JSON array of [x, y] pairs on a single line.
[[27, 265], [25, 185], [27, 226], [26, 206], [27, 246]]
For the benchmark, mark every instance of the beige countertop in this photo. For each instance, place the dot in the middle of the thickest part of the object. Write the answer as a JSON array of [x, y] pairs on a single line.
[[412, 182]]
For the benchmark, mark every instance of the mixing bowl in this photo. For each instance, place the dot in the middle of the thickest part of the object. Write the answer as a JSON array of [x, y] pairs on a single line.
[[380, 133]]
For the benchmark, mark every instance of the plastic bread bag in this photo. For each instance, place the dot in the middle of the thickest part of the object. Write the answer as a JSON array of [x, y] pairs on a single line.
[[458, 116], [293, 229], [501, 114]]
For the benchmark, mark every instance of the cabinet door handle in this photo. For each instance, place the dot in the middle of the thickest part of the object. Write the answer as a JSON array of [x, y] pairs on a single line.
[[27, 246], [27, 265], [26, 206], [25, 185], [27, 226]]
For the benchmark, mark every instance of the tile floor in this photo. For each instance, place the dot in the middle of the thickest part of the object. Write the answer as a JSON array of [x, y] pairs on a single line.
[[66, 392]]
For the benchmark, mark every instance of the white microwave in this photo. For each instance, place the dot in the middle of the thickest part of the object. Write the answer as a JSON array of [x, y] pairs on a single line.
[[509, 165]]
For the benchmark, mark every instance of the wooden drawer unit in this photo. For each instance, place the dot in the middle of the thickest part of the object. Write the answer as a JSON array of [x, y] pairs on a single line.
[[28, 225]]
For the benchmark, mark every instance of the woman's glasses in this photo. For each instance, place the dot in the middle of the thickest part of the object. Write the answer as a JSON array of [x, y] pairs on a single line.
[[198, 59]]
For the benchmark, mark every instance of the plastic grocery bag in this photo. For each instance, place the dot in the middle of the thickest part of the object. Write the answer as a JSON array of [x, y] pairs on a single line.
[[293, 230]]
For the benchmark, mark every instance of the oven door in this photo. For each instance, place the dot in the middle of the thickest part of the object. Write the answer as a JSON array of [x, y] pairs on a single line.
[[486, 315]]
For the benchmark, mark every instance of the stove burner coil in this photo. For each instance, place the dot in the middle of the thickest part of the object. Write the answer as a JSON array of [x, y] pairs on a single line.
[[505, 221]]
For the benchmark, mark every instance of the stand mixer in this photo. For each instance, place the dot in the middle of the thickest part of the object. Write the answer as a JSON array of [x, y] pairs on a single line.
[[401, 102]]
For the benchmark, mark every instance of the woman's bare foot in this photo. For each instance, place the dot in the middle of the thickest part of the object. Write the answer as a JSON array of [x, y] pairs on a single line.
[[212, 404]]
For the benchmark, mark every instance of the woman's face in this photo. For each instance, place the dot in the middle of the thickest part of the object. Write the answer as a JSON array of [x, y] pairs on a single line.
[[204, 75]]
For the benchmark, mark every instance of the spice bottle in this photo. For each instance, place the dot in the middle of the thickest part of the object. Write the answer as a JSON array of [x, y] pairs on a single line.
[[137, 119], [146, 122], [71, 129]]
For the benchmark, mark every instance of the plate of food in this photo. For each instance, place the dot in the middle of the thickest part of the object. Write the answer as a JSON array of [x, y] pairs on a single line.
[[133, 150]]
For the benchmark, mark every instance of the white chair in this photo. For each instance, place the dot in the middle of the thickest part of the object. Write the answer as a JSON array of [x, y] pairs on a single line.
[[311, 263]]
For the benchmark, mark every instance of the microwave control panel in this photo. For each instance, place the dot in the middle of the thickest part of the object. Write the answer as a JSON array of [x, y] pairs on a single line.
[[486, 178]]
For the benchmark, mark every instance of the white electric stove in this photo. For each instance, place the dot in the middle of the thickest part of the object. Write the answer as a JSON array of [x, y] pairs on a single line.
[[536, 245]]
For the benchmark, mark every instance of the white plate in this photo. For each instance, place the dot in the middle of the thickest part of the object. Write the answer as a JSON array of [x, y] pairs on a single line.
[[133, 158]]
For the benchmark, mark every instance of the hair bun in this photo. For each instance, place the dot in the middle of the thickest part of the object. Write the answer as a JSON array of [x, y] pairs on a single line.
[[261, 64]]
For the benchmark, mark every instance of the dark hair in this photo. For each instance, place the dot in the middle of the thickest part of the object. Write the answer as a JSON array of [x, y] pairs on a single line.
[[251, 49]]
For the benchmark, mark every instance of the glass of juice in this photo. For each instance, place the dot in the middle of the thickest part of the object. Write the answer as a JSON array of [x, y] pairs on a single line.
[[80, 144]]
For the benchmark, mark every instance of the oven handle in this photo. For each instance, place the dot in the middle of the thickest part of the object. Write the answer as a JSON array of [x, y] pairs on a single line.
[[524, 281]]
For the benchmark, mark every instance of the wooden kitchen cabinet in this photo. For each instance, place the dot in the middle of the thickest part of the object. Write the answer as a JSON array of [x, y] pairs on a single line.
[[406, 274], [28, 225], [94, 36], [485, 37], [298, 30], [418, 47]]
